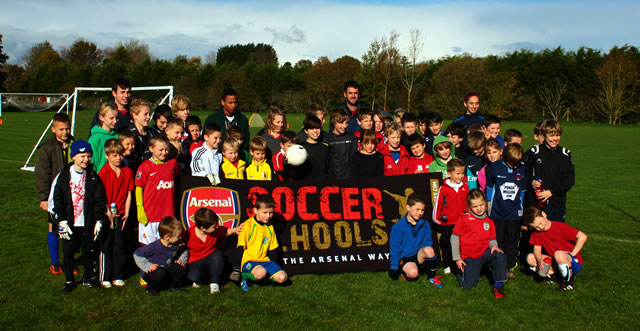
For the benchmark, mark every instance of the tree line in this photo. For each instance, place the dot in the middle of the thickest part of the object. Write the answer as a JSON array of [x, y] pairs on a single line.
[[586, 84]]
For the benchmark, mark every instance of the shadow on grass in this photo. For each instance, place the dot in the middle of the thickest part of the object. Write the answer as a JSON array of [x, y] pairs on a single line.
[[624, 212]]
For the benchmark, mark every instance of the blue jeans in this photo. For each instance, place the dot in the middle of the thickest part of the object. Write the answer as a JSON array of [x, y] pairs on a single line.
[[468, 278], [212, 265]]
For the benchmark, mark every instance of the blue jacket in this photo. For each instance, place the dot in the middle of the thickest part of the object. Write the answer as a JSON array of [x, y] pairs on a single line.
[[469, 120], [407, 239], [505, 190]]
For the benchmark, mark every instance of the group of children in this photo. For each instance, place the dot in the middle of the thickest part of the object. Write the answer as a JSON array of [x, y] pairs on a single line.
[[90, 191]]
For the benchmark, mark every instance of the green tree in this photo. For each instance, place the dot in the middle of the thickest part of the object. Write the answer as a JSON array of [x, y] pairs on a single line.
[[3, 73], [30, 57], [82, 53]]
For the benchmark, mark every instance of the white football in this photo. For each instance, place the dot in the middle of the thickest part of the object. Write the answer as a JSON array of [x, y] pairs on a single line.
[[296, 155]]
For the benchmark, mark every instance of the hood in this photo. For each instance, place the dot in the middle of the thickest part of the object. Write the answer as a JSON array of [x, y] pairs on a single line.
[[438, 140]]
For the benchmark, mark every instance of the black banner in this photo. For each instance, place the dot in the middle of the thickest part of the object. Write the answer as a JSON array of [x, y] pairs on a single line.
[[322, 226]]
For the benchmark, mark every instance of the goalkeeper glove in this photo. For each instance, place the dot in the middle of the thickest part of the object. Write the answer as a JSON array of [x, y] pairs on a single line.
[[96, 230], [64, 230], [142, 216], [214, 179]]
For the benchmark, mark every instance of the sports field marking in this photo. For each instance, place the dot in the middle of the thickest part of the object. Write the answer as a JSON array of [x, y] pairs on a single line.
[[636, 242], [11, 161]]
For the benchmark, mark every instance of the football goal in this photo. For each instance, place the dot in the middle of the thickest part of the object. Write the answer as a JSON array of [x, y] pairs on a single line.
[[32, 102], [72, 101]]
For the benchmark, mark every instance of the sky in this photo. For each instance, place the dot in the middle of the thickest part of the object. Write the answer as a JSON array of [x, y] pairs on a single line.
[[310, 29]]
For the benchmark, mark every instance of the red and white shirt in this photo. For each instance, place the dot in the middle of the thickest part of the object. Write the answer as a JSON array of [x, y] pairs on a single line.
[[77, 183], [158, 187], [475, 234]]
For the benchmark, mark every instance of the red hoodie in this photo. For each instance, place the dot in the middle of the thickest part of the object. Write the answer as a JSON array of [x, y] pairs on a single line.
[[391, 168], [420, 166], [451, 202]]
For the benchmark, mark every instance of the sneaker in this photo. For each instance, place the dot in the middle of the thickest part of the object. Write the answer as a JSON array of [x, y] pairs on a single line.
[[68, 287], [245, 285], [436, 281], [143, 283], [447, 270], [56, 269], [497, 292], [549, 280], [92, 283], [511, 274], [566, 286], [152, 291], [214, 288], [235, 275], [106, 284], [118, 282], [195, 285]]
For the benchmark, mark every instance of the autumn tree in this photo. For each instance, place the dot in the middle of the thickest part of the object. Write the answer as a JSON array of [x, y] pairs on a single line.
[[82, 53], [325, 79], [552, 97], [618, 76], [410, 64], [387, 66], [130, 52], [367, 79], [30, 57]]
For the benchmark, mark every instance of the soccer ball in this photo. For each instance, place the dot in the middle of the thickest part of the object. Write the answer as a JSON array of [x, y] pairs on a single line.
[[296, 155]]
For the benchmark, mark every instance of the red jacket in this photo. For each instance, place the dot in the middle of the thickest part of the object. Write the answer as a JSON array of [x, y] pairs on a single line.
[[420, 166], [450, 204], [391, 168]]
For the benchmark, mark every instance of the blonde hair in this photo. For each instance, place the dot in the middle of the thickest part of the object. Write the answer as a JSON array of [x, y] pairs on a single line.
[[113, 145], [106, 108], [180, 102], [230, 143], [136, 106], [392, 128], [258, 144]]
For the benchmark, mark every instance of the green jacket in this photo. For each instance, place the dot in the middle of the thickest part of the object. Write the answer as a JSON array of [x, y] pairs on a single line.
[[98, 137], [439, 165], [239, 120]]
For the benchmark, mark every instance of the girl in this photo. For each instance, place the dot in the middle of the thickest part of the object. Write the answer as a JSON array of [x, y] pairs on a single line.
[[367, 162], [276, 124], [140, 111], [493, 152], [474, 244], [378, 124], [470, 116], [107, 116]]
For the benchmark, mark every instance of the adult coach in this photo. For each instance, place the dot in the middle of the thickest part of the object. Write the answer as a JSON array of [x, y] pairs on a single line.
[[471, 115], [352, 104], [229, 115], [121, 92]]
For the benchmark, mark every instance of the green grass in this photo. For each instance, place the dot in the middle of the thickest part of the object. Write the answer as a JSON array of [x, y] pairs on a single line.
[[604, 204]]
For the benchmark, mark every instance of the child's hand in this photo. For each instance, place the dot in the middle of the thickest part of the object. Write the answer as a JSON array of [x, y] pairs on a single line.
[[153, 267], [496, 249], [536, 184], [460, 264], [486, 132], [544, 195], [44, 205], [179, 263]]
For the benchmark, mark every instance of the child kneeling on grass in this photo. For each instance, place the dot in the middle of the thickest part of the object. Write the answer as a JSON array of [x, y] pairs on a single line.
[[473, 244], [259, 242], [163, 262], [560, 241], [411, 246]]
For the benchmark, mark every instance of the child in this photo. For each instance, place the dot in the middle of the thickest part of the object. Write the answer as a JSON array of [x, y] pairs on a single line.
[[155, 189], [506, 184], [434, 130], [378, 123], [118, 184], [259, 168], [78, 202], [318, 152], [206, 160], [181, 107], [140, 113], [281, 167], [512, 136], [474, 245], [550, 172], [231, 167], [367, 162], [410, 245], [558, 241], [450, 204], [163, 261], [475, 160], [409, 125], [275, 126], [341, 144], [539, 138], [237, 134], [398, 115], [53, 156], [396, 158], [420, 161], [455, 133], [102, 132], [174, 133], [161, 115], [365, 121], [193, 124], [492, 129], [443, 152], [259, 242], [205, 255], [319, 112], [493, 153], [128, 139]]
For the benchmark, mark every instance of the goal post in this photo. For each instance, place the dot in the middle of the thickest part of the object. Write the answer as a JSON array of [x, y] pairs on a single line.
[[73, 100], [44, 101]]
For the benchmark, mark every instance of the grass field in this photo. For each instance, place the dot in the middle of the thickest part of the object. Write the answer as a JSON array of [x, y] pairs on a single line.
[[604, 204]]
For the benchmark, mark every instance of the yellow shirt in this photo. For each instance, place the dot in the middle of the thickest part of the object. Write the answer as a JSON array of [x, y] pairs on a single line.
[[257, 238], [259, 170], [230, 170]]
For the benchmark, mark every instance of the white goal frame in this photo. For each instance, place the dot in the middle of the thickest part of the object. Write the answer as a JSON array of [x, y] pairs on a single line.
[[64, 95], [73, 98]]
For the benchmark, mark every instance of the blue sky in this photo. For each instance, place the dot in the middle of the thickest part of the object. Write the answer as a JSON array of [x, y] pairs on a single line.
[[309, 29]]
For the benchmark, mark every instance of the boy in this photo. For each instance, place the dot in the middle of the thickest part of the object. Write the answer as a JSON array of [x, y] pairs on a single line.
[[319, 112], [231, 167], [118, 184], [539, 138], [206, 160], [475, 160], [550, 172], [281, 167], [229, 115], [318, 159], [341, 144], [505, 187], [455, 133], [492, 128], [443, 152], [161, 115], [434, 129], [409, 125], [398, 115], [259, 242], [128, 140], [237, 134], [258, 168], [396, 157], [78, 203], [559, 241], [420, 161], [53, 156], [205, 254], [365, 121], [512, 136], [181, 107], [193, 126], [163, 261], [410, 245], [449, 206], [174, 133]]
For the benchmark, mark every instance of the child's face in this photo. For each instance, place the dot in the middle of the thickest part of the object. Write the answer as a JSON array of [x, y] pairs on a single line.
[[340, 128], [378, 123], [493, 154], [61, 130], [263, 214], [160, 150], [258, 155], [366, 123], [213, 139], [239, 140], [194, 131], [478, 206], [514, 140], [443, 151], [552, 139], [142, 118], [416, 211], [457, 175], [174, 132], [478, 151], [398, 120], [114, 159], [230, 154], [129, 144], [182, 113], [472, 104], [494, 129], [409, 128], [368, 147], [423, 127], [174, 237], [161, 123], [417, 150], [229, 104], [109, 119], [540, 223], [321, 115], [82, 160], [394, 140], [454, 139], [435, 128], [286, 146], [539, 138], [278, 123], [314, 134]]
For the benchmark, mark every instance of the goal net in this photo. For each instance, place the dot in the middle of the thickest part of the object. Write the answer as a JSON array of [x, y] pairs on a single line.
[[31, 102], [72, 101]]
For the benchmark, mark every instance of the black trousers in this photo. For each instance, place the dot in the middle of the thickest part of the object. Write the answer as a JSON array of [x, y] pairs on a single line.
[[168, 276], [508, 236], [212, 265], [81, 238], [112, 254], [445, 245]]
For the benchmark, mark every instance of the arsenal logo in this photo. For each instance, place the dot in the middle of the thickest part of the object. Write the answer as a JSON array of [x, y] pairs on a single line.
[[224, 202]]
